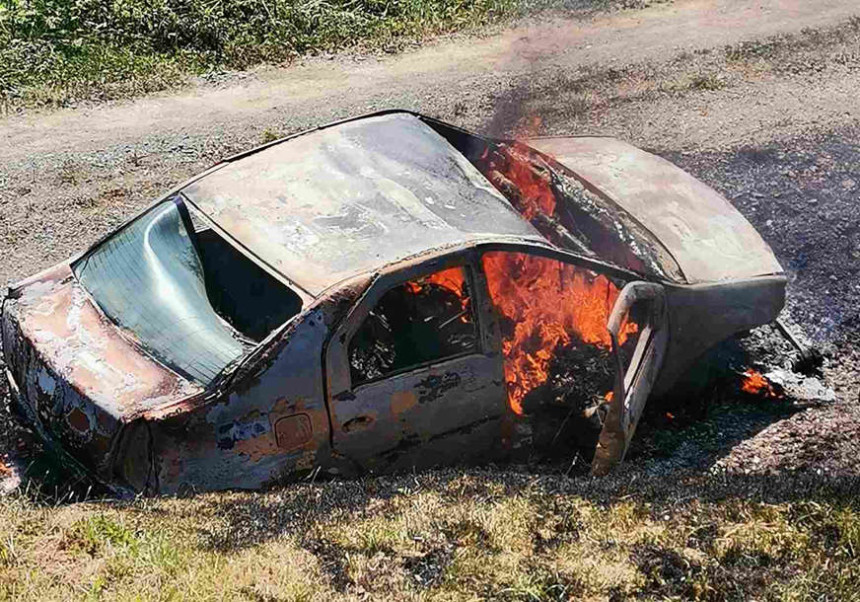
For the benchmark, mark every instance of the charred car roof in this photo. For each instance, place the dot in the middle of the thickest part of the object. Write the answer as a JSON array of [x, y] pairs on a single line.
[[351, 197], [336, 202]]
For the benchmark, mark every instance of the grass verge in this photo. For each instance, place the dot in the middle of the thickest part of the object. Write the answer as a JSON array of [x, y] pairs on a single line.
[[449, 535]]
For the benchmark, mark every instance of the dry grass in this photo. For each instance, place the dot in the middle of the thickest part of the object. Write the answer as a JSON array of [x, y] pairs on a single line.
[[448, 535]]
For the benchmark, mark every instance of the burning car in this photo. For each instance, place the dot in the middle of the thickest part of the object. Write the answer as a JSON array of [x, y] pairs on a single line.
[[378, 294]]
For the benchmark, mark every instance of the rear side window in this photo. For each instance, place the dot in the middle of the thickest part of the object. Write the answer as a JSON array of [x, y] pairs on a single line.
[[555, 201], [418, 322]]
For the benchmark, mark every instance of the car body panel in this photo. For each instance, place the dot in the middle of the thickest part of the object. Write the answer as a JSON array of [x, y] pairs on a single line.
[[273, 423], [342, 200], [81, 375], [710, 239], [702, 315], [342, 212], [639, 375], [392, 421]]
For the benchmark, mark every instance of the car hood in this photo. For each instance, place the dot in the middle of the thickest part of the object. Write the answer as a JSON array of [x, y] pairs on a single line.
[[78, 375], [708, 238]]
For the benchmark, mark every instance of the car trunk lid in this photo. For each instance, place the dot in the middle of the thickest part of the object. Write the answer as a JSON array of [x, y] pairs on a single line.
[[710, 240]]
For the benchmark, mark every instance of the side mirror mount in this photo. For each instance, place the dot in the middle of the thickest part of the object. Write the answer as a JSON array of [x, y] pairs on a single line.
[[630, 392]]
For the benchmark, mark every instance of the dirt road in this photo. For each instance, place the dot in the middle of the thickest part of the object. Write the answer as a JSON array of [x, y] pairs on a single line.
[[431, 79]]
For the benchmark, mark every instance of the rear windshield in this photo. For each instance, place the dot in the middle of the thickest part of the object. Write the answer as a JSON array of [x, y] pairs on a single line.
[[190, 298], [560, 207]]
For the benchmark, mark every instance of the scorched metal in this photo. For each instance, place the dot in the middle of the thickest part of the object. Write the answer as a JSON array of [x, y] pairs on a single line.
[[378, 294]]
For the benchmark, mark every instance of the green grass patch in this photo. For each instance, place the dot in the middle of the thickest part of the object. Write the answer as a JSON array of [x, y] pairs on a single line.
[[55, 51]]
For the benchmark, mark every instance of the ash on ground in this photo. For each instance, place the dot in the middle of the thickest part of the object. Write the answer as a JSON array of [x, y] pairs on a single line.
[[710, 422]]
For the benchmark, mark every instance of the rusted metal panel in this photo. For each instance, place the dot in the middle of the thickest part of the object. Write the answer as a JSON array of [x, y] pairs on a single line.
[[80, 378], [709, 238], [338, 201], [702, 315], [633, 383], [270, 426], [382, 420]]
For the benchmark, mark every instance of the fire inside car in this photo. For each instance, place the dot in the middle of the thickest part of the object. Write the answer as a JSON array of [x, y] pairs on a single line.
[[381, 294], [559, 368], [562, 208], [415, 323]]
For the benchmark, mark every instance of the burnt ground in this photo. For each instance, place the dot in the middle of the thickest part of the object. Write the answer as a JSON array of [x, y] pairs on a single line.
[[773, 125], [802, 195]]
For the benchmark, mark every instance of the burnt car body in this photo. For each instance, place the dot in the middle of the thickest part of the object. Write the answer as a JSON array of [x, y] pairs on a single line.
[[378, 294]]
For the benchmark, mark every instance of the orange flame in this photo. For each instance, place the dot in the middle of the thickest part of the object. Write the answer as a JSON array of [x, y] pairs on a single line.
[[755, 383], [548, 303], [534, 191], [452, 279]]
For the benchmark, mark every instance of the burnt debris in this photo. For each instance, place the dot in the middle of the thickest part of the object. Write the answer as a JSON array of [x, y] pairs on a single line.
[[412, 324]]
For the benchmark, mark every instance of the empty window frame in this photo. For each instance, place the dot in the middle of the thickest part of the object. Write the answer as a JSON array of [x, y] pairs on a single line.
[[193, 301], [420, 321]]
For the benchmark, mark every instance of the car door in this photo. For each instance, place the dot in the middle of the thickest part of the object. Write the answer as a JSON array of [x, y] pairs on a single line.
[[412, 377], [638, 366], [578, 339]]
